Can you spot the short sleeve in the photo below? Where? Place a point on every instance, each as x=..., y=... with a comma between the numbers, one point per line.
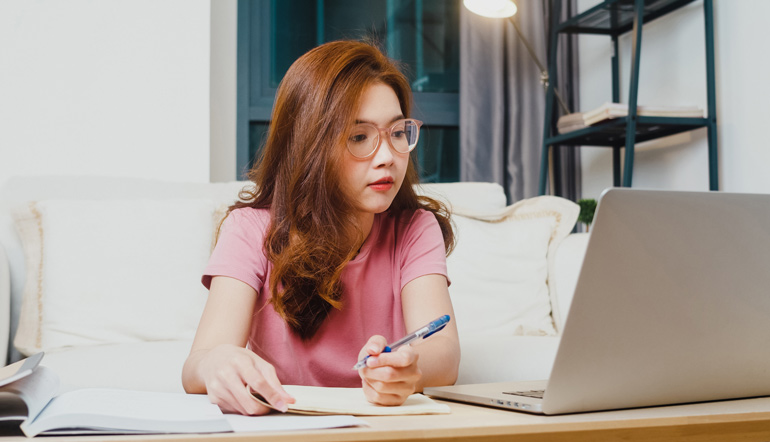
x=239, y=251
x=422, y=248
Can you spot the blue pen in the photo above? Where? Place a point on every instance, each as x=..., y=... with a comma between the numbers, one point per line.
x=423, y=332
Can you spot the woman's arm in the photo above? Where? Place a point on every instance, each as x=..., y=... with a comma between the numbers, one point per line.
x=423, y=300
x=389, y=378
x=219, y=364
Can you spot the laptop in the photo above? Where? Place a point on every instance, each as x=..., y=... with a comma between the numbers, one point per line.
x=672, y=306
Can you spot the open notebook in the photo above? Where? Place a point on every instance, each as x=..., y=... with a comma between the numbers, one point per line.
x=28, y=396
x=326, y=400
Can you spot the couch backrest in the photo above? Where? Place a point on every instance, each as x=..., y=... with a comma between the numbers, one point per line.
x=22, y=190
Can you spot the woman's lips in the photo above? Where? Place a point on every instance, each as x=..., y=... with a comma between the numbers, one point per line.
x=382, y=185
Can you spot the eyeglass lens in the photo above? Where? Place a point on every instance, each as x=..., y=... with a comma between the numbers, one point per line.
x=365, y=138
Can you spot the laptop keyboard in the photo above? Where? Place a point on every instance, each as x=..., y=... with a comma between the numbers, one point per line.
x=537, y=394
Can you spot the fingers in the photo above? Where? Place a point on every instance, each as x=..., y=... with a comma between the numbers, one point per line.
x=266, y=383
x=386, y=374
x=388, y=394
x=403, y=357
x=374, y=346
x=389, y=378
x=238, y=371
x=227, y=391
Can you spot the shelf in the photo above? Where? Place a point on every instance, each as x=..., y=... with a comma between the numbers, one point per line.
x=615, y=17
x=612, y=18
x=613, y=132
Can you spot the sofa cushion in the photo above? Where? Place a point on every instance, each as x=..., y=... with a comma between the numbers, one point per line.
x=465, y=196
x=504, y=258
x=21, y=190
x=488, y=359
x=112, y=271
x=148, y=366
x=564, y=275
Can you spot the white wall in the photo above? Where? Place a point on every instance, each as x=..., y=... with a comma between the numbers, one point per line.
x=117, y=87
x=224, y=44
x=673, y=73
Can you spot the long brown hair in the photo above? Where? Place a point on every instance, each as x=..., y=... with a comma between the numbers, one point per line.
x=313, y=231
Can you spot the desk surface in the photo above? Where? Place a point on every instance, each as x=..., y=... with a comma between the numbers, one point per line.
x=745, y=420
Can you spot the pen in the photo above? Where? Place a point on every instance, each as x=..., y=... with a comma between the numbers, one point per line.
x=423, y=332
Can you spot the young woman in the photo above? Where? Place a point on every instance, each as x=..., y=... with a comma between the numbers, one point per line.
x=331, y=256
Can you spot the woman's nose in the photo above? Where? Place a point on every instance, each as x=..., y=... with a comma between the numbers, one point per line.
x=384, y=154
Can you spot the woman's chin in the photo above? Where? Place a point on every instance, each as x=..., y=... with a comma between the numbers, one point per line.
x=377, y=206
x=378, y=202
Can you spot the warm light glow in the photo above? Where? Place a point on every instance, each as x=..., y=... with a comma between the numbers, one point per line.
x=491, y=8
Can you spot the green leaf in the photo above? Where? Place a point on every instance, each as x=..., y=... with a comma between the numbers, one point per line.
x=587, y=209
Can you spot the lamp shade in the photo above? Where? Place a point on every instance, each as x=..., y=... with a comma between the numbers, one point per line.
x=491, y=8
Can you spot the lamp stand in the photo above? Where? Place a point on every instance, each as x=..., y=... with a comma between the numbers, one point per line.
x=544, y=78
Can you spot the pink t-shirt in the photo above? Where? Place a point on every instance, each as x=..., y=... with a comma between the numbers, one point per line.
x=393, y=255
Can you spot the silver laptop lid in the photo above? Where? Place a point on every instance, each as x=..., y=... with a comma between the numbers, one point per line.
x=672, y=304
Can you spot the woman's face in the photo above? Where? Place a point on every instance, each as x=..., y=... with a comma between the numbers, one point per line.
x=373, y=182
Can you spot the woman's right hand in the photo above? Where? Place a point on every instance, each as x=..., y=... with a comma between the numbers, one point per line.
x=219, y=363
x=231, y=372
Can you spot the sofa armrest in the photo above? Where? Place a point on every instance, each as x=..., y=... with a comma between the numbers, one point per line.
x=5, y=305
x=567, y=264
x=500, y=358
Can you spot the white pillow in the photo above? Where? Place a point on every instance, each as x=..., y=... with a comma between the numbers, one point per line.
x=500, y=266
x=465, y=195
x=112, y=271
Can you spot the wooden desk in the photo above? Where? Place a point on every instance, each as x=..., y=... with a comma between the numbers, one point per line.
x=744, y=420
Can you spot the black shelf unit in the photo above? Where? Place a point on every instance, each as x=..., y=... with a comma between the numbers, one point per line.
x=615, y=18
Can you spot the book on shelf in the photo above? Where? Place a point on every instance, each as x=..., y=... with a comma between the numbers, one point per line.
x=571, y=122
x=608, y=111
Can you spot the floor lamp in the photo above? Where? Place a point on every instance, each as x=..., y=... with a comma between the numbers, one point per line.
x=506, y=9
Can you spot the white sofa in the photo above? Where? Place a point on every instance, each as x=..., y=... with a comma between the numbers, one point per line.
x=513, y=274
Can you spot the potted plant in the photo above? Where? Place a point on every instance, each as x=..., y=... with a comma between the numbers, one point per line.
x=587, y=209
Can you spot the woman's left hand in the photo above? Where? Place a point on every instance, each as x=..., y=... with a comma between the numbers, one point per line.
x=388, y=378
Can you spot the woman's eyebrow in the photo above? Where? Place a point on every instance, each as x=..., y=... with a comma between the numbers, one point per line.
x=393, y=120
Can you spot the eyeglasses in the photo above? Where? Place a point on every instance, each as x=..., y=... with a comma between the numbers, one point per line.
x=402, y=136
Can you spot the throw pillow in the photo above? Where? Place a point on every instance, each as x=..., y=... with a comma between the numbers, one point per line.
x=112, y=271
x=500, y=266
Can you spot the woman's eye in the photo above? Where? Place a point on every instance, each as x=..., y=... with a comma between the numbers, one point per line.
x=357, y=138
x=398, y=133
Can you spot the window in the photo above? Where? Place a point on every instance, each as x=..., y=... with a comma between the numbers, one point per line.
x=422, y=34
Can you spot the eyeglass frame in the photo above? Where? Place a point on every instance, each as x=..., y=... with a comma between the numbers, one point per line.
x=387, y=132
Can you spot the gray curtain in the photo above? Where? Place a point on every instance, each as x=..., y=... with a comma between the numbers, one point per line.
x=502, y=101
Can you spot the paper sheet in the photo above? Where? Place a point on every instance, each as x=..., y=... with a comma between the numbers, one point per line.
x=332, y=400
